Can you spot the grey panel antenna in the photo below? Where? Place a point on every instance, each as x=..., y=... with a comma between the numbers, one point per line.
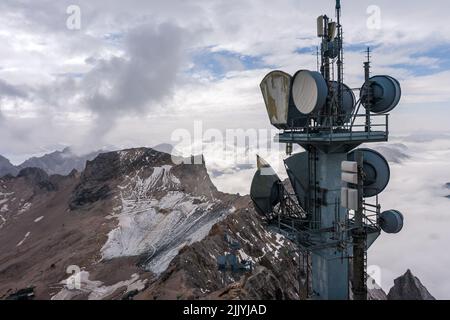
x=309, y=91
x=376, y=169
x=386, y=94
x=276, y=90
x=391, y=221
x=298, y=172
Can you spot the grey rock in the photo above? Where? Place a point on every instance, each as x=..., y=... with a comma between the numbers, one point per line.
x=6, y=167
x=37, y=177
x=409, y=287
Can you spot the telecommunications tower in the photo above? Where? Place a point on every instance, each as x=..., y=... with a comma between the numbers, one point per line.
x=333, y=213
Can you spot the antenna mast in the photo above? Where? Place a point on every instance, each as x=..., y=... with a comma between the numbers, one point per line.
x=340, y=62
x=328, y=213
x=368, y=89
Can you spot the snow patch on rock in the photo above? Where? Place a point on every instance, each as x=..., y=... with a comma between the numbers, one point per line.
x=158, y=224
x=79, y=283
x=23, y=240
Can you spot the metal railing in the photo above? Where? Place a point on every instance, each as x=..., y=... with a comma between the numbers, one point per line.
x=328, y=126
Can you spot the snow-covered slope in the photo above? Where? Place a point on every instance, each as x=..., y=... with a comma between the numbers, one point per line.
x=158, y=215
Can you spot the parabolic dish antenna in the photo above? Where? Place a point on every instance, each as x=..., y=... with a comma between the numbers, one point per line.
x=391, y=221
x=386, y=94
x=376, y=170
x=265, y=188
x=309, y=91
x=348, y=102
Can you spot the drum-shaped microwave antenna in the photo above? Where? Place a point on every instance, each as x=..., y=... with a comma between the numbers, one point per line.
x=376, y=170
x=309, y=91
x=391, y=221
x=276, y=90
x=386, y=94
x=348, y=102
x=265, y=188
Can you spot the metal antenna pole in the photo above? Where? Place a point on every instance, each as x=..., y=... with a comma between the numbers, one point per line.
x=359, y=239
x=318, y=59
x=340, y=64
x=368, y=93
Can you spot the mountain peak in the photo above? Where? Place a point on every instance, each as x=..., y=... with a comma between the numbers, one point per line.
x=409, y=287
x=160, y=169
x=6, y=167
x=59, y=162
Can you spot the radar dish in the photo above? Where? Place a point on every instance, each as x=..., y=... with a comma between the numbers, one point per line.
x=297, y=170
x=391, y=221
x=376, y=170
x=265, y=188
x=386, y=94
x=309, y=91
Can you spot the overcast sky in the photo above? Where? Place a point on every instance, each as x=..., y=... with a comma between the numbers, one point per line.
x=137, y=70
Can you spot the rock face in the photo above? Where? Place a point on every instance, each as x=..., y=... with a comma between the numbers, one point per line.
x=37, y=177
x=409, y=287
x=7, y=167
x=136, y=225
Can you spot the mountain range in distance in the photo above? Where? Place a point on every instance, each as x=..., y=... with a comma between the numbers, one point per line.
x=58, y=162
x=61, y=162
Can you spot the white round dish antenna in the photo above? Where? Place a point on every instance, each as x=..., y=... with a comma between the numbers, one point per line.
x=391, y=221
x=386, y=94
x=309, y=91
x=376, y=170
